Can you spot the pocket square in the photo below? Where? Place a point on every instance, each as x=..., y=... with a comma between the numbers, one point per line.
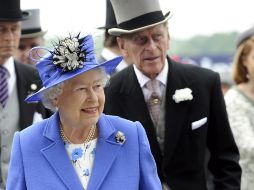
x=199, y=123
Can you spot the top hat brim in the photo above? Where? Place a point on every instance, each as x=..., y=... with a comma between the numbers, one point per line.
x=33, y=35
x=106, y=27
x=119, y=31
x=24, y=16
x=108, y=65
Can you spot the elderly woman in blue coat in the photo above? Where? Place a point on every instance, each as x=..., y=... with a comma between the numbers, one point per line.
x=79, y=147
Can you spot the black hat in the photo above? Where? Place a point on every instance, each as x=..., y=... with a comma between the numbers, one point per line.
x=244, y=36
x=31, y=27
x=136, y=15
x=110, y=17
x=10, y=11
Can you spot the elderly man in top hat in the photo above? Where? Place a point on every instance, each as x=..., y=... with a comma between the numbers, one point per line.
x=17, y=81
x=181, y=106
x=31, y=36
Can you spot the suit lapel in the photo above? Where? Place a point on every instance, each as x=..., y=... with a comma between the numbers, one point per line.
x=136, y=109
x=57, y=156
x=25, y=112
x=175, y=112
x=106, y=151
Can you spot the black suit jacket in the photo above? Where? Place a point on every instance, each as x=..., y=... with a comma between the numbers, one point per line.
x=26, y=76
x=181, y=164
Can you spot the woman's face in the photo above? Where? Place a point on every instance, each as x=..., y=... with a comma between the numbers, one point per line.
x=249, y=63
x=82, y=100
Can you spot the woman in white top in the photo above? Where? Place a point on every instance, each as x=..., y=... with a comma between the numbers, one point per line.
x=240, y=105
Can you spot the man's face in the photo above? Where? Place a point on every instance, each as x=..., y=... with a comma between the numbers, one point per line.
x=25, y=45
x=147, y=49
x=9, y=39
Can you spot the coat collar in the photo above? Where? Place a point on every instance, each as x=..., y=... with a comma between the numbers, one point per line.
x=176, y=112
x=106, y=151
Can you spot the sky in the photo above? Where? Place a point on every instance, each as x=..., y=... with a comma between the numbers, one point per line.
x=189, y=18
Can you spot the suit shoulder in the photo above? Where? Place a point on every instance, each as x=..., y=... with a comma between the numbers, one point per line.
x=34, y=130
x=121, y=75
x=25, y=67
x=27, y=72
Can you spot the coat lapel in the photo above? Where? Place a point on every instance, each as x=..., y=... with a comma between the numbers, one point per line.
x=136, y=109
x=57, y=156
x=175, y=112
x=25, y=112
x=26, y=77
x=106, y=151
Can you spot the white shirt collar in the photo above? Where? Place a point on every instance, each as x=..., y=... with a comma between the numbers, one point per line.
x=162, y=76
x=9, y=65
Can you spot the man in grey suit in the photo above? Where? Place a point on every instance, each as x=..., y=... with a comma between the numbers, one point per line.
x=17, y=81
x=180, y=106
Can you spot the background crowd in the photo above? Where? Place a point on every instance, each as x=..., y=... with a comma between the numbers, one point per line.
x=199, y=122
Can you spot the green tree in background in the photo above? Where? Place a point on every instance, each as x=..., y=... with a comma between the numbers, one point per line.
x=216, y=44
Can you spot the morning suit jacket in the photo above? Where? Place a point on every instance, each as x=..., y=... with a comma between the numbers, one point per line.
x=39, y=160
x=181, y=165
x=27, y=76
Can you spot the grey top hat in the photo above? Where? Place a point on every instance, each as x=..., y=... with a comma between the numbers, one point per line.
x=10, y=11
x=244, y=36
x=31, y=27
x=135, y=15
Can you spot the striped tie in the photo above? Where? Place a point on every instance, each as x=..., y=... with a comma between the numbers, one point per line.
x=3, y=86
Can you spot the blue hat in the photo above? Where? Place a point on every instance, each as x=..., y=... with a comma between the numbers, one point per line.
x=70, y=57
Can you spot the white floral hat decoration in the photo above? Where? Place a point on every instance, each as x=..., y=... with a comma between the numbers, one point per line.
x=70, y=57
x=182, y=95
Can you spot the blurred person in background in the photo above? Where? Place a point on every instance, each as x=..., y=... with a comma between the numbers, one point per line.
x=226, y=80
x=181, y=106
x=110, y=46
x=31, y=35
x=79, y=147
x=240, y=105
x=17, y=81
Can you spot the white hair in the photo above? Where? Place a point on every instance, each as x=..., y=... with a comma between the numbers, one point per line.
x=48, y=95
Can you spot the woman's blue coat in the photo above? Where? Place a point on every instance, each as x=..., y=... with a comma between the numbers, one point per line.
x=39, y=160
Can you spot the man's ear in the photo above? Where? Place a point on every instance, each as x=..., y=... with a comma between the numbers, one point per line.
x=168, y=44
x=122, y=46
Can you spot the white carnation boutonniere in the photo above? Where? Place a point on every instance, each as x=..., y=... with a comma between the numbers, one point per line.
x=120, y=138
x=182, y=95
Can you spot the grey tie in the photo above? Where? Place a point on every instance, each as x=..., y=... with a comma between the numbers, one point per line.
x=3, y=85
x=154, y=100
